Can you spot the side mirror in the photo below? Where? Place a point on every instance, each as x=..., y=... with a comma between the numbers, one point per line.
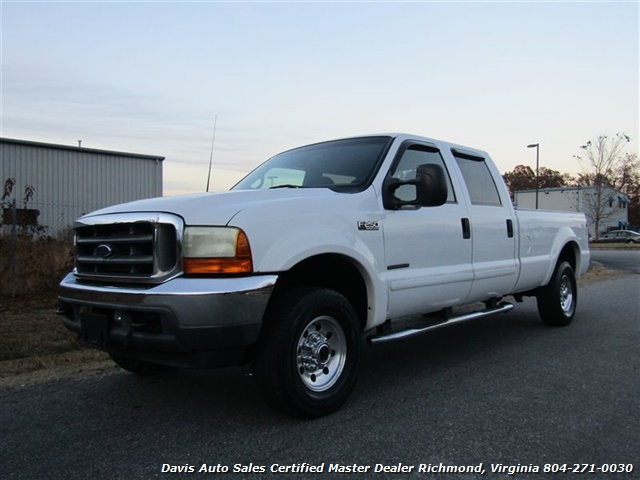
x=431, y=188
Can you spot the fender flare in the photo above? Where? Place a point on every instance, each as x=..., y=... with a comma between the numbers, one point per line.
x=306, y=243
x=565, y=237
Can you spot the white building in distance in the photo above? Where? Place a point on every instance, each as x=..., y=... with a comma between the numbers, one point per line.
x=612, y=210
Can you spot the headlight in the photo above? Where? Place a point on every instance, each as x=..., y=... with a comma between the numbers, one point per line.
x=211, y=250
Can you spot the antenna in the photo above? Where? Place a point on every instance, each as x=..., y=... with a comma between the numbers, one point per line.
x=213, y=139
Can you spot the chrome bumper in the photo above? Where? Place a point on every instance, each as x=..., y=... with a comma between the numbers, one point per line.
x=182, y=316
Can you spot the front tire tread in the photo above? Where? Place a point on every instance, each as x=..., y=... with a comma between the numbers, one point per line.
x=275, y=362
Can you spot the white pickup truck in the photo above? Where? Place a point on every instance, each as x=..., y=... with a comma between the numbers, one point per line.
x=317, y=249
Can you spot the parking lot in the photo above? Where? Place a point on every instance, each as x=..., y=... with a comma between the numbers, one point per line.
x=505, y=392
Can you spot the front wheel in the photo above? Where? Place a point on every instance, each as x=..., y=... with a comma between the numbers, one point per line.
x=557, y=301
x=308, y=353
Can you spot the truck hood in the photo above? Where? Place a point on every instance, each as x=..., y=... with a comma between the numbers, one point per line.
x=218, y=208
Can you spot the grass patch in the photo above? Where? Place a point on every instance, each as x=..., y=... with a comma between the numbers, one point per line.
x=46, y=368
x=34, y=342
x=614, y=246
x=30, y=328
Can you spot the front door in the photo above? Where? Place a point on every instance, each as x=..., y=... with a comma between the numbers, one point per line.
x=428, y=258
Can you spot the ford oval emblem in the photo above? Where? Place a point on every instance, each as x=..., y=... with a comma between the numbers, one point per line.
x=104, y=250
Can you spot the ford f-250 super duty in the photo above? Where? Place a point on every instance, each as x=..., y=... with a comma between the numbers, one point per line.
x=316, y=249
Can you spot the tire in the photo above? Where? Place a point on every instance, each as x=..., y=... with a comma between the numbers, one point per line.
x=557, y=301
x=308, y=353
x=139, y=367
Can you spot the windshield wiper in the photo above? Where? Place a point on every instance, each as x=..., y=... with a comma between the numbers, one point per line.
x=286, y=185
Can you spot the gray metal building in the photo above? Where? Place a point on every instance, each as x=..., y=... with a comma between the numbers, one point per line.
x=70, y=181
x=612, y=211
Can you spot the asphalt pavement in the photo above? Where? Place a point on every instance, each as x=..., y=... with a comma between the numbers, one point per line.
x=618, y=259
x=504, y=393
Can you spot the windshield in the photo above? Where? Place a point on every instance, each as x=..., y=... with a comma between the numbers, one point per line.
x=342, y=165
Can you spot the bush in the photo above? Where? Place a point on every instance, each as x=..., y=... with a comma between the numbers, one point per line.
x=30, y=262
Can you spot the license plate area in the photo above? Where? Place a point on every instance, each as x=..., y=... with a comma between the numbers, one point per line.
x=94, y=328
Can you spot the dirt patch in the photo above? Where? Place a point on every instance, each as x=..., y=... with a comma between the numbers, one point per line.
x=35, y=347
x=598, y=273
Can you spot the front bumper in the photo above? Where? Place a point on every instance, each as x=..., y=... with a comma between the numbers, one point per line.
x=198, y=322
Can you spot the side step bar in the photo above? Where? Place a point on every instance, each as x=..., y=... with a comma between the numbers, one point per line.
x=391, y=336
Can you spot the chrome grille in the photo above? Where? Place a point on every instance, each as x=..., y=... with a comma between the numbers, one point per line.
x=127, y=249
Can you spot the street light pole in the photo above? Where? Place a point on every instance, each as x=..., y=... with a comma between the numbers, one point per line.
x=537, y=147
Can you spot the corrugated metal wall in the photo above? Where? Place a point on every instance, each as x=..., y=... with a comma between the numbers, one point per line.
x=71, y=181
x=565, y=201
x=580, y=200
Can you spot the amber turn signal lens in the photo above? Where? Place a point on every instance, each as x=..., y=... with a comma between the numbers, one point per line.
x=243, y=250
x=209, y=266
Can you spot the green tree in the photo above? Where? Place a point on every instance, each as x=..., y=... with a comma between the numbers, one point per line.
x=520, y=178
x=524, y=178
x=548, y=178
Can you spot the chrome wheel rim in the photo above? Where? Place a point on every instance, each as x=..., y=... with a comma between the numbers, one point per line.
x=566, y=295
x=321, y=354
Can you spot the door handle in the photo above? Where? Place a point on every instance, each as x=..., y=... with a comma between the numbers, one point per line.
x=466, y=228
x=509, y=228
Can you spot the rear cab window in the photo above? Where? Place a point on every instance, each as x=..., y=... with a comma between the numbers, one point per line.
x=477, y=178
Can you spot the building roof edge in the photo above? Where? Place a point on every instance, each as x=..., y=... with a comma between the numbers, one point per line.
x=14, y=141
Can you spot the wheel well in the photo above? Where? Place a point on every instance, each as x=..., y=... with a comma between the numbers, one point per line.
x=568, y=254
x=329, y=271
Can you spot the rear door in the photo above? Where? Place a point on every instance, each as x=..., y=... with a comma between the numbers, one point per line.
x=492, y=223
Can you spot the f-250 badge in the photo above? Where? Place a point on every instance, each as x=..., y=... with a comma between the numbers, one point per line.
x=368, y=225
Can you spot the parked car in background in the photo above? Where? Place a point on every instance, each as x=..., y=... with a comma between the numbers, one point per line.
x=620, y=236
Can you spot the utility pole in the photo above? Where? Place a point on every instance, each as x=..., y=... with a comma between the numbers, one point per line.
x=537, y=147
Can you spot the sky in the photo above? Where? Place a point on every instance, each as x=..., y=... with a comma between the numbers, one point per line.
x=157, y=77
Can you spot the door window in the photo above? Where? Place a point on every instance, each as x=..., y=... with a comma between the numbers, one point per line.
x=478, y=179
x=407, y=168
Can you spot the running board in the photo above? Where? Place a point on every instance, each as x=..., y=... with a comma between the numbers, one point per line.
x=389, y=337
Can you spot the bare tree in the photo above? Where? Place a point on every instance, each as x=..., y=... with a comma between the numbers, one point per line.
x=600, y=160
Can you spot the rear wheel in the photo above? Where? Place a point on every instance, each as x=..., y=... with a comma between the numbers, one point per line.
x=308, y=353
x=139, y=367
x=557, y=301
